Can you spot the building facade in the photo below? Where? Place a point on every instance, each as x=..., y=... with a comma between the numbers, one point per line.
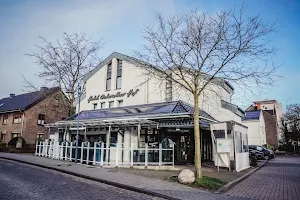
x=25, y=115
x=121, y=104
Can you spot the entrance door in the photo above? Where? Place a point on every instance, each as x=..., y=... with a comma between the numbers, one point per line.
x=183, y=149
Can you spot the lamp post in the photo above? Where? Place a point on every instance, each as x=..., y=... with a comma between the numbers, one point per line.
x=77, y=128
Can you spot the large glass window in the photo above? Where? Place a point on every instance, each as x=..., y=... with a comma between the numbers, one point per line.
x=95, y=106
x=5, y=119
x=108, y=77
x=120, y=103
x=17, y=118
x=41, y=119
x=119, y=75
x=111, y=104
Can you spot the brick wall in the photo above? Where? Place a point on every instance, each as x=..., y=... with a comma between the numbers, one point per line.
x=54, y=107
x=271, y=128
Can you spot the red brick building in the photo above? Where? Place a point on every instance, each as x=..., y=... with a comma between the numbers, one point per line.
x=25, y=115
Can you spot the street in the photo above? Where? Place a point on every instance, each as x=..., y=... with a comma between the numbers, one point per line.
x=20, y=181
x=279, y=179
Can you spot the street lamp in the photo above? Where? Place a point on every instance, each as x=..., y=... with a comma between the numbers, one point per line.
x=70, y=91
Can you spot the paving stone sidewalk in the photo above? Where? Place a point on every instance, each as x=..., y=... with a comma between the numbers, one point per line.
x=170, y=189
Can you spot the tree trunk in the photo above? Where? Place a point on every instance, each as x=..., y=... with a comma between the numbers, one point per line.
x=197, y=137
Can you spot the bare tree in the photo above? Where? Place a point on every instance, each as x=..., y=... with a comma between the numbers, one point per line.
x=66, y=62
x=194, y=49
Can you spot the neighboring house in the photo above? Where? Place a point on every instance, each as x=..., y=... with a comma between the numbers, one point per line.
x=255, y=122
x=24, y=115
x=274, y=108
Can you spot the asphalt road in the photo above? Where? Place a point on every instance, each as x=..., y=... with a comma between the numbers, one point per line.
x=21, y=181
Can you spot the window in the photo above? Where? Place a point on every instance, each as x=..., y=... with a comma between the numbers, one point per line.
x=95, y=106
x=2, y=137
x=40, y=135
x=14, y=135
x=55, y=103
x=111, y=104
x=41, y=119
x=120, y=103
x=119, y=75
x=108, y=77
x=17, y=118
x=102, y=105
x=5, y=119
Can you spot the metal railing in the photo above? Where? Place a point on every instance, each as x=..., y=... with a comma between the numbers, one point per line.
x=100, y=155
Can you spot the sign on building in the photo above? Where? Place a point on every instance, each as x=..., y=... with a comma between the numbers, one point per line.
x=223, y=145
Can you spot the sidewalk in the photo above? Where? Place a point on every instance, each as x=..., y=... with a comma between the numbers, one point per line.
x=155, y=187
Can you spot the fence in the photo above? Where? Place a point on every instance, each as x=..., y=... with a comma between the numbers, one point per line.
x=99, y=154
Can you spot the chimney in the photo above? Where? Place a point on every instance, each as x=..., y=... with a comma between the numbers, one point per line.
x=43, y=89
x=12, y=95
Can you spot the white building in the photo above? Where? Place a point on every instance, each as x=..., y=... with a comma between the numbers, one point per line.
x=122, y=105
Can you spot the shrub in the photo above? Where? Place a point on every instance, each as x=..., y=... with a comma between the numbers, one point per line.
x=209, y=182
x=2, y=144
x=253, y=160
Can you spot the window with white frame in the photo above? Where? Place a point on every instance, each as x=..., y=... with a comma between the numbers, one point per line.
x=95, y=106
x=40, y=135
x=15, y=134
x=5, y=119
x=102, y=105
x=119, y=75
x=108, y=77
x=41, y=119
x=120, y=103
x=111, y=104
x=17, y=118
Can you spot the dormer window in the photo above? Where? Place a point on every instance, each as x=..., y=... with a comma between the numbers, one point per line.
x=119, y=75
x=41, y=119
x=108, y=77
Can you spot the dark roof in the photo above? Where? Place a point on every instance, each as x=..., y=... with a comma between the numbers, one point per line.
x=252, y=115
x=141, y=110
x=24, y=101
x=233, y=108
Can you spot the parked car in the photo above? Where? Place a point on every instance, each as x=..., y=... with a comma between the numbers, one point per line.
x=259, y=155
x=267, y=154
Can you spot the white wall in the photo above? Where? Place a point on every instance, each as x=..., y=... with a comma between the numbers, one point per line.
x=256, y=131
x=152, y=91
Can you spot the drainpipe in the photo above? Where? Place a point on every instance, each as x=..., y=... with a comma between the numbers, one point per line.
x=23, y=116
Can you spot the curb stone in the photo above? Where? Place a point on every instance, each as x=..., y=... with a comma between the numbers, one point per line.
x=119, y=185
x=231, y=184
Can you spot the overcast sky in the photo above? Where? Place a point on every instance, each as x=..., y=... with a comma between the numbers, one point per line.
x=120, y=24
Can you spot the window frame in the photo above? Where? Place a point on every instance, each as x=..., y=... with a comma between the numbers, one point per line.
x=2, y=136
x=108, y=77
x=119, y=74
x=109, y=103
x=41, y=119
x=95, y=106
x=12, y=133
x=102, y=103
x=4, y=119
x=18, y=121
x=121, y=100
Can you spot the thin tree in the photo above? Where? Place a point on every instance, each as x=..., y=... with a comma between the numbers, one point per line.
x=66, y=62
x=194, y=49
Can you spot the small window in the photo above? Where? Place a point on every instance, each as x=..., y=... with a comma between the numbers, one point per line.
x=5, y=119
x=2, y=137
x=40, y=135
x=56, y=103
x=120, y=103
x=111, y=104
x=14, y=135
x=41, y=119
x=119, y=75
x=17, y=118
x=95, y=106
x=102, y=105
x=108, y=77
